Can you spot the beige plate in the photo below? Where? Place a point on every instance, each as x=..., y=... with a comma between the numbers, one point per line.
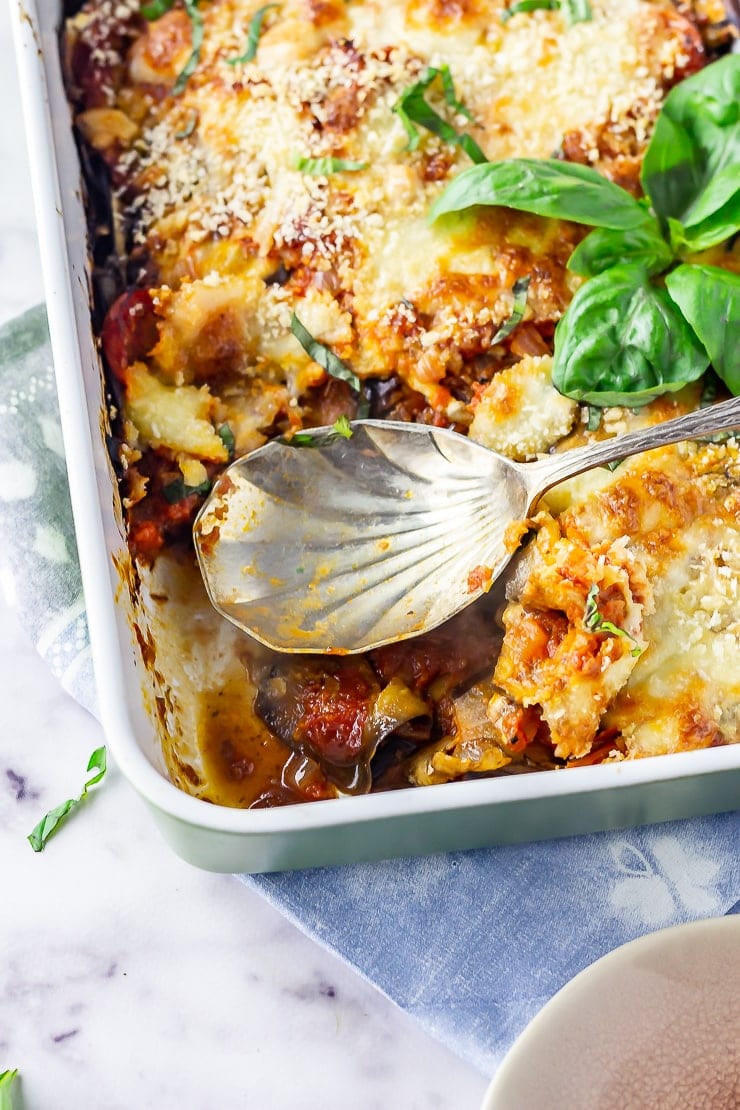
x=654, y=1025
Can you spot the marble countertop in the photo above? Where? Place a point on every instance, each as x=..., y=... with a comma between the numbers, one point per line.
x=127, y=978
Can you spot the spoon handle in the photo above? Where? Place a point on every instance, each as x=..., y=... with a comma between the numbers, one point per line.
x=540, y=476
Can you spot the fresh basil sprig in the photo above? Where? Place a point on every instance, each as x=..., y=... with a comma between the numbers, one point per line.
x=594, y=622
x=709, y=299
x=322, y=167
x=690, y=170
x=521, y=286
x=564, y=190
x=196, y=42
x=48, y=824
x=328, y=361
x=414, y=112
x=575, y=11
x=253, y=36
x=624, y=341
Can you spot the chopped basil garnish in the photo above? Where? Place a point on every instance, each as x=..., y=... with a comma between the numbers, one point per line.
x=341, y=429
x=253, y=36
x=178, y=490
x=414, y=112
x=328, y=361
x=322, y=167
x=48, y=824
x=156, y=9
x=593, y=418
x=189, y=126
x=196, y=29
x=226, y=436
x=625, y=337
x=521, y=285
x=528, y=6
x=575, y=11
x=594, y=622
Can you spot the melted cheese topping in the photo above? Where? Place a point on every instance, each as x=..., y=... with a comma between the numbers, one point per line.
x=209, y=190
x=671, y=521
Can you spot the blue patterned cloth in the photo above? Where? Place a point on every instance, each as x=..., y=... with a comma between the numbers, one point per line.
x=472, y=944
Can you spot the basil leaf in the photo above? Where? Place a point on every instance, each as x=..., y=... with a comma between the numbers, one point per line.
x=690, y=166
x=178, y=490
x=328, y=361
x=623, y=341
x=577, y=11
x=196, y=31
x=709, y=299
x=226, y=436
x=604, y=247
x=564, y=190
x=528, y=6
x=189, y=127
x=594, y=622
x=48, y=824
x=721, y=225
x=253, y=36
x=324, y=166
x=10, y=1090
x=156, y=9
x=521, y=285
x=341, y=429
x=593, y=418
x=414, y=112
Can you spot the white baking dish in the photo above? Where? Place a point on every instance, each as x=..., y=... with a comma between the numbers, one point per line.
x=403, y=822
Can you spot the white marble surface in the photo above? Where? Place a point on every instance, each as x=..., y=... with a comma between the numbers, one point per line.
x=127, y=978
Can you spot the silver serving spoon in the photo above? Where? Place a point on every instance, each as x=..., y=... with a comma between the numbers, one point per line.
x=348, y=544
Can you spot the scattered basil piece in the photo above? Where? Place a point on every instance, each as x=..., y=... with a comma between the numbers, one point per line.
x=593, y=418
x=690, y=166
x=528, y=6
x=10, y=1093
x=322, y=167
x=623, y=341
x=564, y=190
x=196, y=29
x=604, y=247
x=709, y=299
x=340, y=429
x=328, y=361
x=253, y=36
x=226, y=436
x=189, y=127
x=414, y=112
x=575, y=11
x=156, y=9
x=594, y=622
x=48, y=824
x=521, y=285
x=178, y=490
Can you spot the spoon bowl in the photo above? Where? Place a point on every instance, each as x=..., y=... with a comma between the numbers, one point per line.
x=343, y=544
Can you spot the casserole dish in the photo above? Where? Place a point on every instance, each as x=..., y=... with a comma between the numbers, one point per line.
x=438, y=818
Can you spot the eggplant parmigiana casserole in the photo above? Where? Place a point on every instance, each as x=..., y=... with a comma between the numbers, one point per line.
x=405, y=184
